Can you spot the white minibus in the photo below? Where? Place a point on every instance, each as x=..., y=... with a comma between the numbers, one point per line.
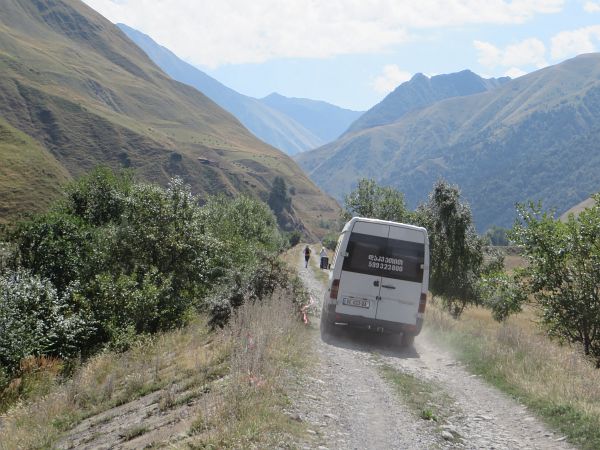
x=379, y=278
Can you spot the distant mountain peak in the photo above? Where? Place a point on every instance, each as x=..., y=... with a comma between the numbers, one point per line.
x=418, y=77
x=421, y=91
x=532, y=138
x=273, y=95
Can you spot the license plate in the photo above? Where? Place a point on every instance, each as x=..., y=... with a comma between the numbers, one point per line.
x=359, y=302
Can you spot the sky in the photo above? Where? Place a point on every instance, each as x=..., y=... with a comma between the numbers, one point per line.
x=354, y=52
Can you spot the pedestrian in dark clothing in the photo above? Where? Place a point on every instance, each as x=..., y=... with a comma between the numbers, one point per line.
x=306, y=255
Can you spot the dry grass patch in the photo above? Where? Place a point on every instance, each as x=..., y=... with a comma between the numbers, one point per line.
x=234, y=380
x=266, y=349
x=109, y=380
x=555, y=381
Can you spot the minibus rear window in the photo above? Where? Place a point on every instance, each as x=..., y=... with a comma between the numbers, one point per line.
x=380, y=256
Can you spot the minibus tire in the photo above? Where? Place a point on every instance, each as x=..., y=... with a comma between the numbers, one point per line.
x=326, y=327
x=407, y=340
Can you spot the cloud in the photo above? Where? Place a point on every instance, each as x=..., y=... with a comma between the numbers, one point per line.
x=592, y=7
x=390, y=78
x=571, y=43
x=213, y=33
x=515, y=72
x=529, y=52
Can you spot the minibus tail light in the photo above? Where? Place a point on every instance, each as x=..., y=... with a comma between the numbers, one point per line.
x=333, y=292
x=422, y=303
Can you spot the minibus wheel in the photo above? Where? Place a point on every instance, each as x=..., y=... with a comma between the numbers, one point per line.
x=407, y=340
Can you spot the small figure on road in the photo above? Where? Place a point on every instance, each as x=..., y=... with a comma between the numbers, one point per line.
x=306, y=255
x=324, y=258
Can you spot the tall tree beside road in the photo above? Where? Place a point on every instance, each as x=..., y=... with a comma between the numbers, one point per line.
x=455, y=248
x=563, y=272
x=379, y=202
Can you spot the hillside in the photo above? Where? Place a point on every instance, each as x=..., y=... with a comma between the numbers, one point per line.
x=269, y=124
x=86, y=95
x=423, y=91
x=325, y=120
x=535, y=137
x=587, y=203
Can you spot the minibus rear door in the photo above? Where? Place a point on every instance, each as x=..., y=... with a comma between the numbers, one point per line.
x=402, y=276
x=360, y=279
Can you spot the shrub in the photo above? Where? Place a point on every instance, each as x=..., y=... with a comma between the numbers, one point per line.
x=99, y=197
x=55, y=246
x=243, y=225
x=563, y=273
x=255, y=284
x=36, y=320
x=137, y=258
x=330, y=240
x=294, y=237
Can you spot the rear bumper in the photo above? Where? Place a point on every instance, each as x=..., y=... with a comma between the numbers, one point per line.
x=373, y=324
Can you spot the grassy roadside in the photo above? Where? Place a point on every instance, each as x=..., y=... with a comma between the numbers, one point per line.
x=554, y=381
x=241, y=371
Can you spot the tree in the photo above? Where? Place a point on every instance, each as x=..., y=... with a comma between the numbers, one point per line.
x=563, y=273
x=377, y=202
x=279, y=200
x=456, y=252
x=497, y=236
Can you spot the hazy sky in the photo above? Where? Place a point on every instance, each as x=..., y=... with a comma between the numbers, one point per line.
x=353, y=52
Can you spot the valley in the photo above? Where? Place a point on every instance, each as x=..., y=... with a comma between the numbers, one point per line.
x=165, y=165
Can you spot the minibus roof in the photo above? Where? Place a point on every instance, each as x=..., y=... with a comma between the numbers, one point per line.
x=352, y=221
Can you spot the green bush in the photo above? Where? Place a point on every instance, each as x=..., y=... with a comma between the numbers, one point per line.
x=35, y=320
x=243, y=225
x=330, y=240
x=100, y=197
x=137, y=258
x=293, y=238
x=257, y=283
x=55, y=246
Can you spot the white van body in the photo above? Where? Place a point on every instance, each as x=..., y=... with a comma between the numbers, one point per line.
x=379, y=278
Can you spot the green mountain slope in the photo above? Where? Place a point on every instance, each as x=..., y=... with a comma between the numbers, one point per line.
x=587, y=203
x=78, y=86
x=325, y=120
x=422, y=91
x=30, y=176
x=536, y=137
x=267, y=123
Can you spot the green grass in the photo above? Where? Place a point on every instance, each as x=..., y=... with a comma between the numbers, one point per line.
x=553, y=381
x=30, y=177
x=134, y=432
x=425, y=398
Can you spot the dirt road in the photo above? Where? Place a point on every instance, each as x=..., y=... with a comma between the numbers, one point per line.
x=348, y=404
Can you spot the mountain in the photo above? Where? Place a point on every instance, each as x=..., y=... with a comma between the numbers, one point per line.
x=325, y=120
x=75, y=92
x=533, y=138
x=587, y=203
x=269, y=124
x=423, y=91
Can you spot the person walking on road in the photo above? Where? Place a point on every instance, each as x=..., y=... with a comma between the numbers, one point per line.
x=324, y=258
x=306, y=255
